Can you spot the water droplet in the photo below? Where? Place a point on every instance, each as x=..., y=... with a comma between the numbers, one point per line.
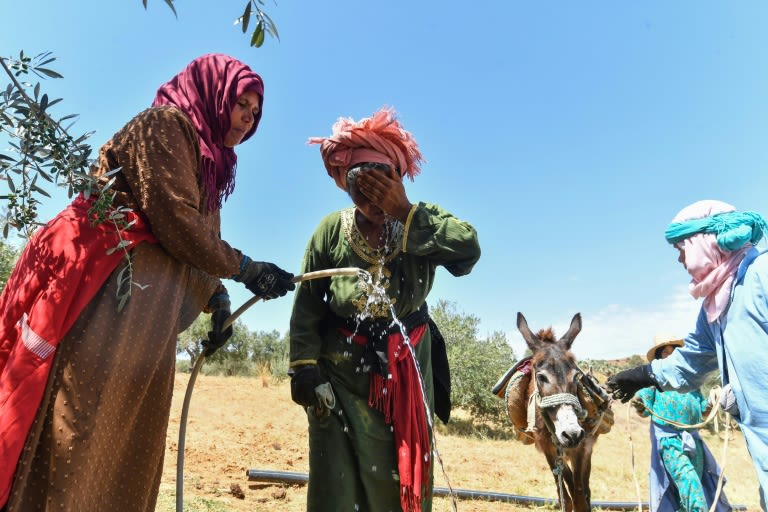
x=373, y=468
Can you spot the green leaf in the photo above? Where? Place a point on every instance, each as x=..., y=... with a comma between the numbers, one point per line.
x=170, y=4
x=44, y=102
x=37, y=90
x=40, y=191
x=145, y=4
x=45, y=176
x=258, y=35
x=271, y=26
x=122, y=302
x=49, y=72
x=246, y=17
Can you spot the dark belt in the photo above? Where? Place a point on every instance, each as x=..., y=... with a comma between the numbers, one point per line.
x=377, y=333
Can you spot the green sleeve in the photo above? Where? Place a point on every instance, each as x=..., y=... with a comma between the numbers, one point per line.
x=432, y=232
x=309, y=306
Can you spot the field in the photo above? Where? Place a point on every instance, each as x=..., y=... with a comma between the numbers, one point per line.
x=236, y=424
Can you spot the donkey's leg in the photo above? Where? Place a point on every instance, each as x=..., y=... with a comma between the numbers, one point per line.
x=550, y=452
x=582, y=467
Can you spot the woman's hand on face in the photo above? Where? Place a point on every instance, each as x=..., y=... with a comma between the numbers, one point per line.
x=386, y=191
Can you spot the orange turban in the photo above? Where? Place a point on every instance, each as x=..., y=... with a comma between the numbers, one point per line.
x=379, y=138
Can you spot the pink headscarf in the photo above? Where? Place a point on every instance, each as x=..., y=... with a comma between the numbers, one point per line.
x=377, y=139
x=711, y=267
x=206, y=91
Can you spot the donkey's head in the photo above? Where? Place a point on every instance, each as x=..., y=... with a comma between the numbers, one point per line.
x=556, y=380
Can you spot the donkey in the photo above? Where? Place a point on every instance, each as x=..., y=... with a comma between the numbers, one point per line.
x=566, y=427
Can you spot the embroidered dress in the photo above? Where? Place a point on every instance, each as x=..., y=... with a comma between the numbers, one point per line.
x=683, y=474
x=107, y=396
x=354, y=462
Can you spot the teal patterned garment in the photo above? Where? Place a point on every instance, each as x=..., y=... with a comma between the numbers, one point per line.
x=682, y=468
x=686, y=408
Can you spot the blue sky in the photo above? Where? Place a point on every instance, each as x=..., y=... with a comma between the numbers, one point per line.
x=567, y=133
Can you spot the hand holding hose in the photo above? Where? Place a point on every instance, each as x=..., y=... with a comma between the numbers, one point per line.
x=265, y=280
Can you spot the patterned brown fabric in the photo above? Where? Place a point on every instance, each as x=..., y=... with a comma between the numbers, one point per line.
x=99, y=438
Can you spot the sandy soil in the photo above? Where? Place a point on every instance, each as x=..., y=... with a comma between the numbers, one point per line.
x=240, y=424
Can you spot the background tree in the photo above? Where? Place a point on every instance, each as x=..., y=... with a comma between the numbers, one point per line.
x=247, y=353
x=8, y=256
x=476, y=364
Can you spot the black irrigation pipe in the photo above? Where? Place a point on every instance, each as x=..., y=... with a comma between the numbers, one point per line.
x=287, y=477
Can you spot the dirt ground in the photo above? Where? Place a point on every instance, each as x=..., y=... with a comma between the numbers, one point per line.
x=240, y=424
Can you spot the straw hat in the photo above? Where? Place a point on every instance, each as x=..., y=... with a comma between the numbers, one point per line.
x=662, y=340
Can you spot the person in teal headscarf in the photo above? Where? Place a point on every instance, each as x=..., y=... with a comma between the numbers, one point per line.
x=717, y=246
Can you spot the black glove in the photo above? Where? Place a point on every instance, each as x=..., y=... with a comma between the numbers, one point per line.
x=303, y=383
x=626, y=383
x=219, y=307
x=265, y=280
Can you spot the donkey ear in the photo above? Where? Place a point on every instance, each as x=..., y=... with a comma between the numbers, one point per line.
x=528, y=336
x=573, y=331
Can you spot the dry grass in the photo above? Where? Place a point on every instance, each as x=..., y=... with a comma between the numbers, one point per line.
x=236, y=424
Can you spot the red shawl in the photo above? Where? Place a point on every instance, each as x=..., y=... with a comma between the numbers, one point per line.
x=62, y=268
x=400, y=399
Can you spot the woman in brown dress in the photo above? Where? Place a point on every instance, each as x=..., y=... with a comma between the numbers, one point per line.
x=86, y=376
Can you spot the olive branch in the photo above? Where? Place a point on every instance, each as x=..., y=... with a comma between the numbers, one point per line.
x=103, y=211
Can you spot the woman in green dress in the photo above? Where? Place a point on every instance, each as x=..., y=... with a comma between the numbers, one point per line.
x=366, y=380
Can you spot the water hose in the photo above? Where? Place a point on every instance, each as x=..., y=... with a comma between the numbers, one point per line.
x=308, y=276
x=291, y=478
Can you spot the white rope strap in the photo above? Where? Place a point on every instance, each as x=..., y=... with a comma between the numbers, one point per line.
x=531, y=412
x=545, y=402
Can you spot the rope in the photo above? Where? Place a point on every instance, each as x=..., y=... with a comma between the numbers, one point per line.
x=714, y=399
x=545, y=402
x=722, y=470
x=632, y=461
x=559, y=473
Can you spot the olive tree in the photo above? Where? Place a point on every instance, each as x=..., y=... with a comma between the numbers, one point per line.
x=476, y=363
